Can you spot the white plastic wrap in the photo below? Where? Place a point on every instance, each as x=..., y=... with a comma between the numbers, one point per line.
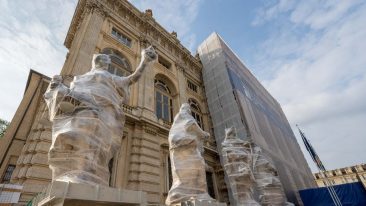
x=236, y=156
x=188, y=165
x=268, y=183
x=88, y=121
x=247, y=170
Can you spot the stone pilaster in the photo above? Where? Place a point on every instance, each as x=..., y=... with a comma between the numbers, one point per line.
x=144, y=170
x=182, y=84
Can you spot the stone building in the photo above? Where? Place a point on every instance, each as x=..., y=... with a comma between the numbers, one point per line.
x=344, y=175
x=119, y=29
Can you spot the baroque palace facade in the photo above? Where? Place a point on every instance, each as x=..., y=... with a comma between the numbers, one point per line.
x=119, y=29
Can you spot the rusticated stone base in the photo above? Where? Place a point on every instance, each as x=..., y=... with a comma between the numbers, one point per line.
x=72, y=194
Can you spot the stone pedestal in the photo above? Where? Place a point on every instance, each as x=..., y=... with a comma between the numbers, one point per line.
x=72, y=194
x=201, y=203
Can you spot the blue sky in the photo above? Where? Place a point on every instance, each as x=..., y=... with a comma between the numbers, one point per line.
x=309, y=54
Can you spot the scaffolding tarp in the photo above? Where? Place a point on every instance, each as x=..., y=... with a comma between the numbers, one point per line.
x=350, y=194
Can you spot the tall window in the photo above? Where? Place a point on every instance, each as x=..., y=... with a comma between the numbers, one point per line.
x=121, y=38
x=110, y=168
x=8, y=173
x=167, y=169
x=196, y=112
x=119, y=64
x=210, y=184
x=163, y=101
x=170, y=175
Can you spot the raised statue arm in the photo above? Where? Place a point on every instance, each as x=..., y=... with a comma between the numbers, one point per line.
x=148, y=56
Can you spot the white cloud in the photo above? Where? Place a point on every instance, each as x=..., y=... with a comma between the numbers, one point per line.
x=316, y=64
x=272, y=10
x=319, y=14
x=31, y=38
x=174, y=15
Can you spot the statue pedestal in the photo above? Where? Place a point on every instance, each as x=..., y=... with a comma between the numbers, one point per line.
x=74, y=194
x=201, y=203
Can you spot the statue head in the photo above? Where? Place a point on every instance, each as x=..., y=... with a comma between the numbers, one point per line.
x=185, y=108
x=149, y=54
x=101, y=61
x=230, y=133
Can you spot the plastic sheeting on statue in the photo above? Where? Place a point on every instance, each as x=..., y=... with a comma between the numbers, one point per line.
x=247, y=170
x=188, y=165
x=88, y=120
x=237, y=164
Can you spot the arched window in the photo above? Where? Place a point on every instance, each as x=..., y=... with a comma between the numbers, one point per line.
x=119, y=64
x=163, y=101
x=196, y=112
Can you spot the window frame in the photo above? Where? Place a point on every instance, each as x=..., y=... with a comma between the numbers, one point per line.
x=192, y=86
x=6, y=173
x=196, y=112
x=122, y=38
x=119, y=65
x=161, y=88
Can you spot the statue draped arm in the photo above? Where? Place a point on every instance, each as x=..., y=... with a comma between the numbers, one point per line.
x=148, y=56
x=198, y=131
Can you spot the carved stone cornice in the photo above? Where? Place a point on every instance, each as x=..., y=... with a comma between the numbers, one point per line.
x=150, y=129
x=83, y=8
x=76, y=20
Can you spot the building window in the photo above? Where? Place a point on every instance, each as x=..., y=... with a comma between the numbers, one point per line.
x=163, y=101
x=121, y=38
x=119, y=64
x=110, y=168
x=165, y=63
x=192, y=86
x=167, y=169
x=170, y=176
x=210, y=184
x=196, y=112
x=8, y=173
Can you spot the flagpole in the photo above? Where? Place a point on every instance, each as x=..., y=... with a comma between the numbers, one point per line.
x=314, y=156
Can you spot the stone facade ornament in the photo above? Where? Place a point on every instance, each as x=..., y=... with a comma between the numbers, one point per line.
x=248, y=169
x=188, y=165
x=88, y=120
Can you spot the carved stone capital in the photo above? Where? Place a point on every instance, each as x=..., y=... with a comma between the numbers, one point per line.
x=180, y=66
x=92, y=6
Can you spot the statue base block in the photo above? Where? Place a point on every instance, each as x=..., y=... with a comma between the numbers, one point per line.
x=201, y=203
x=75, y=194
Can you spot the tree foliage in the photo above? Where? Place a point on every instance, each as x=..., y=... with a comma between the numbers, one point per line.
x=3, y=125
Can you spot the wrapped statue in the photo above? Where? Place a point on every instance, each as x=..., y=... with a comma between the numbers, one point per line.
x=268, y=184
x=188, y=165
x=88, y=120
x=248, y=169
x=237, y=160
